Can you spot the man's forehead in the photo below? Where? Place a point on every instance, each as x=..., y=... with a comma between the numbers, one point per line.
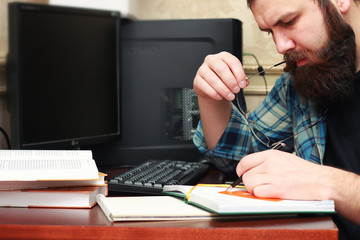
x=250, y=2
x=270, y=12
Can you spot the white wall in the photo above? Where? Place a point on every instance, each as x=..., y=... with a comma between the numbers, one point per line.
x=117, y=5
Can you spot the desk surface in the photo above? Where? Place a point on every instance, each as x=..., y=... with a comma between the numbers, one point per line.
x=42, y=223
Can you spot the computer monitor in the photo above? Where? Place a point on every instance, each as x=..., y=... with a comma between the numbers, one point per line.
x=63, y=76
x=159, y=60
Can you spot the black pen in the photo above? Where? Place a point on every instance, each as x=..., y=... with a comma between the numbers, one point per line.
x=239, y=180
x=234, y=184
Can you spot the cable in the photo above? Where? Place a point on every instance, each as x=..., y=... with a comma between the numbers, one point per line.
x=260, y=70
x=6, y=137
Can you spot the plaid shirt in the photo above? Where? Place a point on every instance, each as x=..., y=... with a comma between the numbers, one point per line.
x=282, y=115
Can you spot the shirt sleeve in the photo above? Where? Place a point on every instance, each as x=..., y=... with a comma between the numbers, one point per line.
x=271, y=118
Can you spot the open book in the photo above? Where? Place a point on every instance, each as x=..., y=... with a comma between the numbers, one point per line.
x=215, y=199
x=23, y=169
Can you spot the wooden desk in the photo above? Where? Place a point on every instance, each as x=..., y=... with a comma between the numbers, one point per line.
x=41, y=223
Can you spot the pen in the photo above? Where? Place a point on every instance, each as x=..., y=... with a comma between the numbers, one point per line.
x=239, y=180
x=234, y=184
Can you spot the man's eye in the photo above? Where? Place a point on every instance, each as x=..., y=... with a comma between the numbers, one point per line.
x=291, y=22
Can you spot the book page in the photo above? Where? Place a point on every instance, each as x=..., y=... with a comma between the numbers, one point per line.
x=44, y=154
x=46, y=165
x=149, y=208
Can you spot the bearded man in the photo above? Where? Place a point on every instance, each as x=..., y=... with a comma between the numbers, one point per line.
x=312, y=110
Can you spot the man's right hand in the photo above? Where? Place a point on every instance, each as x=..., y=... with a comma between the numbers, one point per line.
x=220, y=77
x=217, y=81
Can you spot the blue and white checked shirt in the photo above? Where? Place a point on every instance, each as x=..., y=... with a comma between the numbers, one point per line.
x=282, y=114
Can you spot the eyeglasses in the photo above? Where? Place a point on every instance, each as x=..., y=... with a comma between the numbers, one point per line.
x=258, y=133
x=262, y=138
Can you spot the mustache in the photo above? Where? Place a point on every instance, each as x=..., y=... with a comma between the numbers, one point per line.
x=292, y=56
x=296, y=55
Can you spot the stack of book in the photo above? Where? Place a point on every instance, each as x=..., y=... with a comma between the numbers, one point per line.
x=49, y=178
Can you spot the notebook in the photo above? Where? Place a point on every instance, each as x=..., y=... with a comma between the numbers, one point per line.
x=149, y=208
x=214, y=198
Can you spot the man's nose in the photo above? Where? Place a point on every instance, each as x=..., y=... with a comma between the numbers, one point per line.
x=283, y=42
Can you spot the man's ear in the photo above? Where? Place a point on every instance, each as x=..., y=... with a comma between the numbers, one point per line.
x=343, y=5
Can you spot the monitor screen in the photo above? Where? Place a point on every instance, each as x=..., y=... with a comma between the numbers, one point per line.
x=63, y=76
x=159, y=112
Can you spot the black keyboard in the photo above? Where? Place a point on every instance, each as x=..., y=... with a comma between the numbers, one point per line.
x=150, y=176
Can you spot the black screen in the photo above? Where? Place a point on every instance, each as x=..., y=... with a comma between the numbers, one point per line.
x=65, y=76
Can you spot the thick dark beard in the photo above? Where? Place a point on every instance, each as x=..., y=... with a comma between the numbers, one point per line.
x=328, y=76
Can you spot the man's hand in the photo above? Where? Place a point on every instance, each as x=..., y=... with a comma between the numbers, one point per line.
x=220, y=76
x=216, y=82
x=276, y=174
x=279, y=174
